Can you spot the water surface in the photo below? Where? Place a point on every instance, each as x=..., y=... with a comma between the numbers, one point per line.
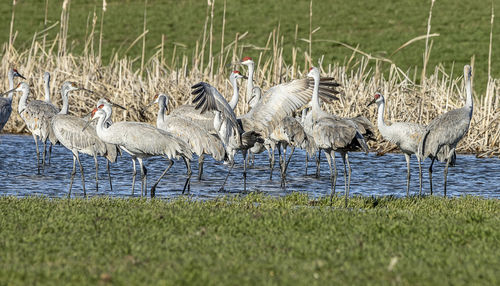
x=371, y=175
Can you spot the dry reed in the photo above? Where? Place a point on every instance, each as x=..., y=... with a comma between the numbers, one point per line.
x=360, y=77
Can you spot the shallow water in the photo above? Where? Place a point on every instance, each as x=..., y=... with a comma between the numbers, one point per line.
x=371, y=175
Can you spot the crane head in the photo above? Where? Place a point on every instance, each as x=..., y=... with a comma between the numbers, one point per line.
x=46, y=77
x=237, y=75
x=95, y=114
x=313, y=72
x=16, y=73
x=246, y=61
x=467, y=71
x=377, y=98
x=256, y=95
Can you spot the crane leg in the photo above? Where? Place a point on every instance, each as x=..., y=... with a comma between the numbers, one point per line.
x=44, y=153
x=446, y=174
x=280, y=157
x=329, y=160
x=50, y=151
x=144, y=177
x=109, y=174
x=346, y=191
x=153, y=189
x=271, y=163
x=201, y=159
x=430, y=172
x=81, y=173
x=133, y=175
x=408, y=175
x=37, y=154
x=244, y=170
x=292, y=150
x=221, y=189
x=420, y=176
x=96, y=174
x=318, y=161
x=73, y=172
x=189, y=173
x=307, y=161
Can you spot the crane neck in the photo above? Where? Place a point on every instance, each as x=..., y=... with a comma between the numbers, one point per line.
x=468, y=89
x=100, y=128
x=315, y=97
x=303, y=116
x=161, y=112
x=23, y=100
x=250, y=81
x=235, y=98
x=65, y=106
x=11, y=84
x=47, y=91
x=109, y=111
x=380, y=117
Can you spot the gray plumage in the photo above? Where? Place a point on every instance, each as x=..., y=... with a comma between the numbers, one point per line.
x=69, y=131
x=406, y=136
x=334, y=134
x=282, y=100
x=141, y=141
x=46, y=86
x=199, y=139
x=269, y=110
x=38, y=114
x=447, y=130
x=225, y=123
x=6, y=102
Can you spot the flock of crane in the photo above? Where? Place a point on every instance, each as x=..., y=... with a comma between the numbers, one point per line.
x=210, y=127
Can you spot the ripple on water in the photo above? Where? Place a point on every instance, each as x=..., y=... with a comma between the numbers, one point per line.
x=371, y=175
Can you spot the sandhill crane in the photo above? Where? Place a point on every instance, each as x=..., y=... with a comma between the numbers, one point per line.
x=206, y=120
x=447, y=130
x=225, y=122
x=289, y=132
x=200, y=140
x=141, y=141
x=46, y=86
x=233, y=78
x=6, y=102
x=333, y=134
x=280, y=101
x=247, y=61
x=37, y=114
x=69, y=131
x=406, y=136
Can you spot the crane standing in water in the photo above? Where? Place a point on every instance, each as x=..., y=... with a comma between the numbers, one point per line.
x=141, y=141
x=6, y=102
x=406, y=135
x=447, y=130
x=334, y=134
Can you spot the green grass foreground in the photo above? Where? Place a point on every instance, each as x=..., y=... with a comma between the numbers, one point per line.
x=250, y=240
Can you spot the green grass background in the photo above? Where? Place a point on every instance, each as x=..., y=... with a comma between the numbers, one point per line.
x=254, y=240
x=379, y=27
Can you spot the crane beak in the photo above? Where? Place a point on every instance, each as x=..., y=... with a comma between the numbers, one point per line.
x=147, y=106
x=371, y=102
x=250, y=99
x=245, y=77
x=88, y=123
x=21, y=76
x=8, y=91
x=117, y=105
x=87, y=90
